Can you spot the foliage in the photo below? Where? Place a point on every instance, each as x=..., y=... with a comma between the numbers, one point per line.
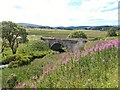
x=39, y=45
x=111, y=32
x=20, y=62
x=17, y=60
x=60, y=77
x=81, y=48
x=27, y=72
x=40, y=54
x=96, y=67
x=6, y=53
x=12, y=80
x=77, y=34
x=12, y=32
x=33, y=46
x=26, y=53
x=118, y=32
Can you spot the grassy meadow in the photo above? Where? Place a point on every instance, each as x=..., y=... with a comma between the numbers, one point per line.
x=99, y=69
x=96, y=66
x=64, y=33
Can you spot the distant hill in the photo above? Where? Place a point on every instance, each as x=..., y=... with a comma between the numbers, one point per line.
x=106, y=27
x=28, y=25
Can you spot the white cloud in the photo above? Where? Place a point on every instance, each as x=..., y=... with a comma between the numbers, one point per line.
x=58, y=12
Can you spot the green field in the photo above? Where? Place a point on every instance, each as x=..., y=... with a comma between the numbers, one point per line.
x=65, y=33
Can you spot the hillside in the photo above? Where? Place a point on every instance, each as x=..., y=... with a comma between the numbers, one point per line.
x=105, y=27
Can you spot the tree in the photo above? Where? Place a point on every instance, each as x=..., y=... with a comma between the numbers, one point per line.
x=12, y=32
x=112, y=32
x=77, y=34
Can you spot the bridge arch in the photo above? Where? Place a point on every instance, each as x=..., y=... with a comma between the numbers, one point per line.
x=57, y=47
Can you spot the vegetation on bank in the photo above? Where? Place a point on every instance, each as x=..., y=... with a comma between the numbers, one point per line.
x=29, y=73
x=96, y=67
x=12, y=37
x=26, y=53
x=90, y=67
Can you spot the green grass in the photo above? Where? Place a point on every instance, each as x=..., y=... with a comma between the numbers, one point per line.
x=57, y=78
x=49, y=33
x=0, y=69
x=0, y=78
x=0, y=49
x=99, y=72
x=26, y=73
x=92, y=43
x=65, y=33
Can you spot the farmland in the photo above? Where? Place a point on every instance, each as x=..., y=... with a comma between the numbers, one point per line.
x=68, y=69
x=64, y=33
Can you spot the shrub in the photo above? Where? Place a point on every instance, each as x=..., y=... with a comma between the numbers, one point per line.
x=17, y=60
x=10, y=58
x=37, y=45
x=6, y=53
x=111, y=32
x=20, y=60
x=119, y=33
x=12, y=80
x=77, y=34
x=40, y=54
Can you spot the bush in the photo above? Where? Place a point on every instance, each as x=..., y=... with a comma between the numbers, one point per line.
x=10, y=58
x=40, y=54
x=111, y=32
x=37, y=45
x=119, y=33
x=77, y=34
x=6, y=53
x=22, y=60
x=12, y=80
x=17, y=60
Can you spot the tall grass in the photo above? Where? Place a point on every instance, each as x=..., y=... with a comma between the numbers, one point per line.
x=96, y=67
x=27, y=72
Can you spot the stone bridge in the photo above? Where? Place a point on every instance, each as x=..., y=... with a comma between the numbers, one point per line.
x=72, y=44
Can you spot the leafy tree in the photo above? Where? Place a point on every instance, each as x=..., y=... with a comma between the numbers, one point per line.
x=118, y=32
x=12, y=32
x=112, y=32
x=77, y=34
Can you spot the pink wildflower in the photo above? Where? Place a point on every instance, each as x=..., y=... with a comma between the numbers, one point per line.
x=75, y=58
x=67, y=59
x=33, y=85
x=70, y=52
x=84, y=53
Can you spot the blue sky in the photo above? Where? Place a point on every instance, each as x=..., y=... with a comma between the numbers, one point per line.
x=60, y=12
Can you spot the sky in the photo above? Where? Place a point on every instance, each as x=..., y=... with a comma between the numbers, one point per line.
x=60, y=12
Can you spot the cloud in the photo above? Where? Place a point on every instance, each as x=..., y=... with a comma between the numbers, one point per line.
x=60, y=12
x=18, y=7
